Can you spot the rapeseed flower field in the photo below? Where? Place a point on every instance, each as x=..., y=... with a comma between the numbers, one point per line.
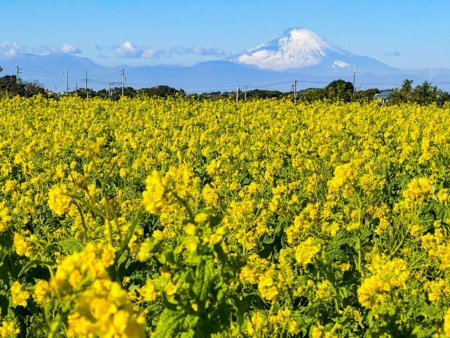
x=183, y=218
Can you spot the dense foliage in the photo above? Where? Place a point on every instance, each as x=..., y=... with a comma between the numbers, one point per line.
x=184, y=218
x=335, y=91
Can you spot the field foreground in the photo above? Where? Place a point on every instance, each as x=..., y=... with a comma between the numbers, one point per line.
x=183, y=218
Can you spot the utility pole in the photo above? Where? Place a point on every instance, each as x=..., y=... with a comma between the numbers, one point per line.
x=245, y=93
x=111, y=87
x=294, y=90
x=237, y=94
x=354, y=80
x=85, y=86
x=18, y=71
x=123, y=81
x=67, y=80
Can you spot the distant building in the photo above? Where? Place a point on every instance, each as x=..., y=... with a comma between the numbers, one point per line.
x=382, y=97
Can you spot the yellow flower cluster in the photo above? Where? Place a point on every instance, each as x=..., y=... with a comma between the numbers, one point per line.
x=19, y=296
x=153, y=196
x=8, y=329
x=102, y=306
x=23, y=245
x=313, y=197
x=447, y=323
x=42, y=292
x=306, y=251
x=82, y=268
x=5, y=217
x=103, y=310
x=388, y=277
x=418, y=189
x=58, y=200
x=257, y=325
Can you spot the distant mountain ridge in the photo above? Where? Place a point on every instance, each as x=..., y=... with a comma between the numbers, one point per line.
x=302, y=50
x=294, y=54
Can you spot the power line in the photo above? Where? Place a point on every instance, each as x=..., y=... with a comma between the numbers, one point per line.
x=104, y=80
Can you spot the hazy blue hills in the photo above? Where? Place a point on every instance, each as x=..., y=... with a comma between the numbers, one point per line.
x=294, y=54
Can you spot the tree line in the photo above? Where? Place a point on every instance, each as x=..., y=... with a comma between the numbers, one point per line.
x=338, y=90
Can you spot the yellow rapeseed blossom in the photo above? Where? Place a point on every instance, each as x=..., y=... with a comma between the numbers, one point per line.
x=59, y=200
x=154, y=195
x=19, y=296
x=447, y=323
x=5, y=217
x=266, y=285
x=8, y=329
x=388, y=277
x=306, y=251
x=209, y=195
x=41, y=292
x=356, y=190
x=418, y=189
x=257, y=325
x=23, y=245
x=103, y=310
x=149, y=290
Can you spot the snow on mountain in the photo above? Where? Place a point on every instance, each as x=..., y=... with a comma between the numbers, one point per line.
x=295, y=54
x=340, y=64
x=293, y=48
x=299, y=48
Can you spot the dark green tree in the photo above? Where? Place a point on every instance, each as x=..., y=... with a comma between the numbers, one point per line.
x=161, y=91
x=340, y=90
x=312, y=94
x=11, y=87
x=422, y=94
x=402, y=95
x=425, y=93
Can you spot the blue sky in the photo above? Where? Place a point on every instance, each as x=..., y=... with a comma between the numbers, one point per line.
x=401, y=33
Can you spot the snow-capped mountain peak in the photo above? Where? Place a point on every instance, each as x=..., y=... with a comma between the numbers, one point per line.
x=293, y=48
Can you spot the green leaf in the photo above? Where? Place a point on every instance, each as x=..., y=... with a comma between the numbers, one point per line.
x=172, y=323
x=34, y=263
x=204, y=277
x=70, y=245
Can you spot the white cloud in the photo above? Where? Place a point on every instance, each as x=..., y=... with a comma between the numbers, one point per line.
x=128, y=50
x=69, y=49
x=156, y=53
x=10, y=49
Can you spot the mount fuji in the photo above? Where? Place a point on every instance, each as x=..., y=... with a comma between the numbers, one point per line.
x=296, y=54
x=299, y=49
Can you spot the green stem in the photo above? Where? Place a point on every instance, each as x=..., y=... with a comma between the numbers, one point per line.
x=358, y=247
x=108, y=222
x=83, y=223
x=130, y=233
x=55, y=326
